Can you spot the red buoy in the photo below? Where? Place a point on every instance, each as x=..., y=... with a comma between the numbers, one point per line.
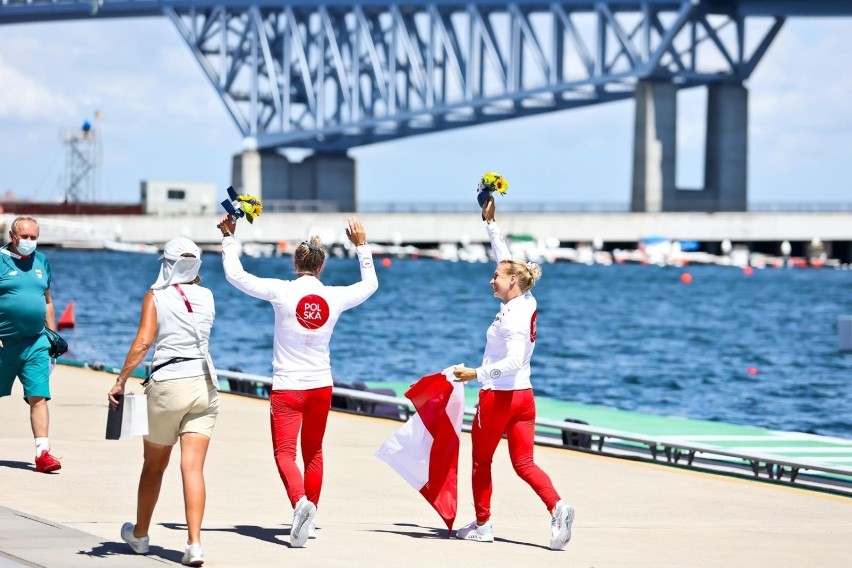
x=67, y=319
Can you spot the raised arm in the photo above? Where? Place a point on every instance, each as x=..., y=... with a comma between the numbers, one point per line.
x=498, y=243
x=261, y=288
x=360, y=291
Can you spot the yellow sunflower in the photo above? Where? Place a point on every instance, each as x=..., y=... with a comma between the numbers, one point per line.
x=250, y=205
x=493, y=181
x=500, y=185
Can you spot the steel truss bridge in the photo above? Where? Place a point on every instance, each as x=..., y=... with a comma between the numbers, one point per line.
x=331, y=75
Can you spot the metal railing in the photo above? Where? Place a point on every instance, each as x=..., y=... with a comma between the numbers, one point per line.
x=505, y=206
x=510, y=206
x=801, y=206
x=761, y=465
x=305, y=206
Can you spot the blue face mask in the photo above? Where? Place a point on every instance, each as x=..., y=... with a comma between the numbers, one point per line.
x=27, y=247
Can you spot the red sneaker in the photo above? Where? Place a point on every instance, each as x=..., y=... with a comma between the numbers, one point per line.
x=45, y=463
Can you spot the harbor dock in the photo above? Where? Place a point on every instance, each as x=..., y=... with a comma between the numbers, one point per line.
x=629, y=513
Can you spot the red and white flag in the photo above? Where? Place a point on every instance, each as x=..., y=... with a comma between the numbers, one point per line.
x=425, y=451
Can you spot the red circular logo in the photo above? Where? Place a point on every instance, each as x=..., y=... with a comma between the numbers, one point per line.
x=312, y=311
x=533, y=327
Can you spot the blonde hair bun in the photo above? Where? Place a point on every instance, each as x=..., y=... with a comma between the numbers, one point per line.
x=535, y=270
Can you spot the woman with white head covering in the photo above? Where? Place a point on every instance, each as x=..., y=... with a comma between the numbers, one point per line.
x=183, y=398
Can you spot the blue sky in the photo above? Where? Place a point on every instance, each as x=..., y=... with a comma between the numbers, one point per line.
x=163, y=121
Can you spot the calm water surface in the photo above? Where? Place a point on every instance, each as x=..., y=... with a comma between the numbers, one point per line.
x=631, y=337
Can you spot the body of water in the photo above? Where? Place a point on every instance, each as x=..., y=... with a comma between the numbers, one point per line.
x=759, y=350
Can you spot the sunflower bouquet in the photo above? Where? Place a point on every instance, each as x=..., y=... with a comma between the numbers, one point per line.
x=243, y=205
x=488, y=184
x=251, y=206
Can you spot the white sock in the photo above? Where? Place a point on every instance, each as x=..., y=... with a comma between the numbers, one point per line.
x=42, y=445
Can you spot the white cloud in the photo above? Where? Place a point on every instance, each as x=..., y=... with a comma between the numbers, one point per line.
x=23, y=99
x=801, y=121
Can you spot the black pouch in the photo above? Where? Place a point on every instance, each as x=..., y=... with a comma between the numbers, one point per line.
x=58, y=346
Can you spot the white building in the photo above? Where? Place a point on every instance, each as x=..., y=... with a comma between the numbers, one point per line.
x=173, y=198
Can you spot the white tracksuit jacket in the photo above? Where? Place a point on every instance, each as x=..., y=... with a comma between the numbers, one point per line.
x=510, y=339
x=306, y=311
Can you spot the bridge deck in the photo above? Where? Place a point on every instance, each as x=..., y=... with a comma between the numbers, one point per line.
x=629, y=513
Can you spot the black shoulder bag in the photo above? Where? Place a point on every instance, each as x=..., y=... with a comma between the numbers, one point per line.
x=58, y=346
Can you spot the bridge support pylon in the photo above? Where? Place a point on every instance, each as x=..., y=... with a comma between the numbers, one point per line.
x=654, y=147
x=320, y=182
x=726, y=154
x=655, y=150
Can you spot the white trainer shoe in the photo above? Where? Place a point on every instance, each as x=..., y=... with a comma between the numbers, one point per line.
x=473, y=531
x=560, y=525
x=302, y=516
x=139, y=544
x=312, y=528
x=193, y=555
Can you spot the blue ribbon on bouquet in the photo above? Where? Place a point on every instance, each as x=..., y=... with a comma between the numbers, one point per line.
x=231, y=205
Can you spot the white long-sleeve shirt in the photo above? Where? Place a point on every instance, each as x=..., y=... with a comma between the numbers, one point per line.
x=510, y=339
x=306, y=311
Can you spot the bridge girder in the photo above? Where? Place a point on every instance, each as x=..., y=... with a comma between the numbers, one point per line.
x=333, y=78
x=336, y=75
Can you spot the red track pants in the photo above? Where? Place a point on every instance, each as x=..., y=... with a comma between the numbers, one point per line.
x=291, y=411
x=511, y=413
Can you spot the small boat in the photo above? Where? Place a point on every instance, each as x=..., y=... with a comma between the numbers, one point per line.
x=258, y=250
x=122, y=246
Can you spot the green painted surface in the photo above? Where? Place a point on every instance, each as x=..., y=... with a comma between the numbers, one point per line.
x=785, y=443
x=717, y=434
x=613, y=418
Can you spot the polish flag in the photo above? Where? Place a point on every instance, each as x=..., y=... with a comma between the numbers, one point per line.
x=425, y=451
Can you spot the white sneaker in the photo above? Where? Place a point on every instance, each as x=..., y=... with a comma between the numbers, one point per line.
x=139, y=544
x=560, y=525
x=193, y=555
x=302, y=516
x=312, y=528
x=473, y=531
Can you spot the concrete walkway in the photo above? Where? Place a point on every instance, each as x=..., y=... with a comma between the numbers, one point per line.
x=629, y=514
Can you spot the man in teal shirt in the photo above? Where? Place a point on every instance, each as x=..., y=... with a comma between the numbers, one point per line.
x=25, y=310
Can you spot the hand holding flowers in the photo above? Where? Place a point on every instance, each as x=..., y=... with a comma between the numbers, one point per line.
x=242, y=205
x=251, y=206
x=488, y=184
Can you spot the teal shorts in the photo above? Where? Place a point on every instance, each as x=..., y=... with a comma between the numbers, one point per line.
x=27, y=359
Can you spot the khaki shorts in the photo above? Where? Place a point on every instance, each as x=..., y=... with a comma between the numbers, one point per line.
x=180, y=406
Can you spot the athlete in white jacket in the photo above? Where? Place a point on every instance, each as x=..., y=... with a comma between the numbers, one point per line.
x=506, y=400
x=306, y=311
